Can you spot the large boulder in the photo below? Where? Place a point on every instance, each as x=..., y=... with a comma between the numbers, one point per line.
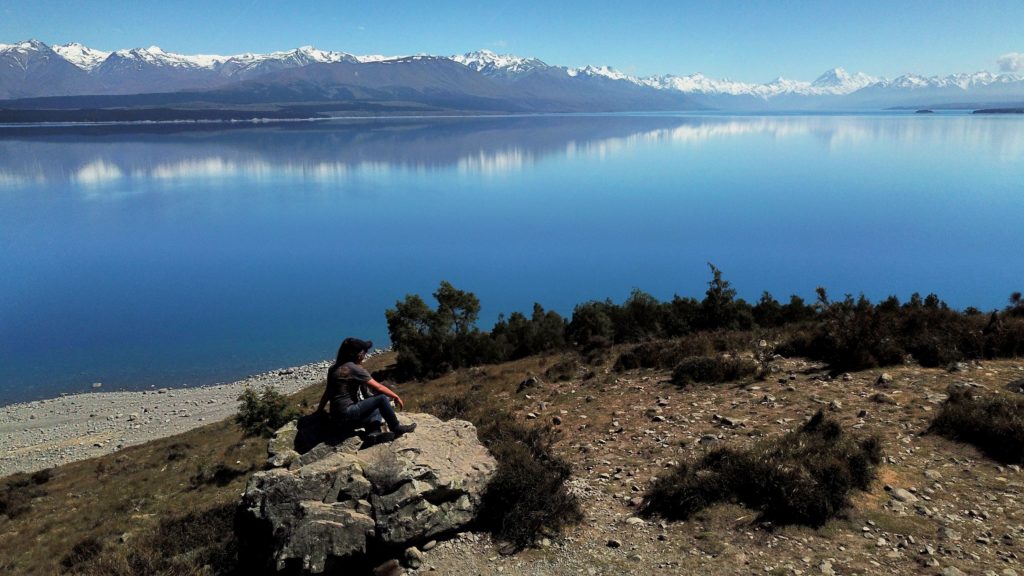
x=339, y=502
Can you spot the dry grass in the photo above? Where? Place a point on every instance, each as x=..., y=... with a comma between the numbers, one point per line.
x=123, y=512
x=609, y=431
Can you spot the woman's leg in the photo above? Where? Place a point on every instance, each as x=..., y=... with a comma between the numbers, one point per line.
x=365, y=408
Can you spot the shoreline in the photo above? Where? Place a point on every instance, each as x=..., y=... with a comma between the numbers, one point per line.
x=40, y=434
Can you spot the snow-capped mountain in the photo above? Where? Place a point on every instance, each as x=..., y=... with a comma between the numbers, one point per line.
x=82, y=56
x=32, y=69
x=833, y=82
x=503, y=65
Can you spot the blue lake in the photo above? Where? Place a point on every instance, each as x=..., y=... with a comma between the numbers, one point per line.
x=169, y=255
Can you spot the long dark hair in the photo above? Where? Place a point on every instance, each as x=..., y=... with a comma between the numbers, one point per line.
x=347, y=352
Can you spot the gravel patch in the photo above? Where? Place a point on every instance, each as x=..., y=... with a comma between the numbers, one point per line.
x=44, y=433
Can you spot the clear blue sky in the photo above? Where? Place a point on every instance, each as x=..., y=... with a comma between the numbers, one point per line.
x=742, y=40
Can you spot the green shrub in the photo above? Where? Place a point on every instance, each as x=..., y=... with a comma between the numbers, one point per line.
x=720, y=310
x=994, y=424
x=711, y=369
x=262, y=413
x=804, y=477
x=432, y=342
x=520, y=336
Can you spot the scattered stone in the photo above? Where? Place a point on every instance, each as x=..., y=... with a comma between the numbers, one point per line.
x=429, y=545
x=96, y=385
x=904, y=496
x=531, y=416
x=883, y=398
x=528, y=383
x=1016, y=386
x=835, y=405
x=413, y=557
x=390, y=568
x=707, y=439
x=613, y=543
x=884, y=379
x=634, y=521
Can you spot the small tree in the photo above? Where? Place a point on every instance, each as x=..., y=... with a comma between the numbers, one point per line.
x=431, y=342
x=720, y=309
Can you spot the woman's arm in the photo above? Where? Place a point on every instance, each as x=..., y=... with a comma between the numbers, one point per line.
x=385, y=391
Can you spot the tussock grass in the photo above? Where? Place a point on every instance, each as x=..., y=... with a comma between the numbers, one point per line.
x=993, y=424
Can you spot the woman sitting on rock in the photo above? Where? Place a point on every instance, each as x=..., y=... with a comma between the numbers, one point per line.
x=346, y=378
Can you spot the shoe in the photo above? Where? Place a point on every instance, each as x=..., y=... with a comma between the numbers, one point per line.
x=378, y=438
x=404, y=429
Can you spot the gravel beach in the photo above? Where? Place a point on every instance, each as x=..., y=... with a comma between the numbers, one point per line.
x=44, y=433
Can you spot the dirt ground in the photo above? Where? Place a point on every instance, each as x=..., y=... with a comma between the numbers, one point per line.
x=938, y=506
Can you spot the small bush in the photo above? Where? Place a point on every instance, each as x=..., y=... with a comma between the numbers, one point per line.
x=200, y=542
x=664, y=354
x=218, y=474
x=994, y=424
x=710, y=369
x=804, y=477
x=261, y=413
x=448, y=407
x=81, y=553
x=563, y=371
x=42, y=476
x=527, y=495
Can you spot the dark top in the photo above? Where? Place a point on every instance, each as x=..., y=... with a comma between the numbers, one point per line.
x=343, y=385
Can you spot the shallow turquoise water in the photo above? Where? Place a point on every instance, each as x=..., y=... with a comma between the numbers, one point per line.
x=170, y=255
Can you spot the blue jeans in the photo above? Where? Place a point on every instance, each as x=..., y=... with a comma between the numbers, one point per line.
x=371, y=409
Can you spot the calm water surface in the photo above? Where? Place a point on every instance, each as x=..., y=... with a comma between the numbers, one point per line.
x=157, y=256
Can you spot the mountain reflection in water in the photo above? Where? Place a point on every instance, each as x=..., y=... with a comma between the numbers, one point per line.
x=187, y=254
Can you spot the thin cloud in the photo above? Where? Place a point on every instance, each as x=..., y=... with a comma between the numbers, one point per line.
x=1011, y=62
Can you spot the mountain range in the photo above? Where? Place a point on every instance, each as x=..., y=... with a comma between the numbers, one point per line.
x=34, y=75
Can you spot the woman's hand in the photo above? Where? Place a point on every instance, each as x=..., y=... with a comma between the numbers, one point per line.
x=399, y=401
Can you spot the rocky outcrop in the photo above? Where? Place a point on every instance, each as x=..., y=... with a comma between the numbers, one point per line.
x=339, y=502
